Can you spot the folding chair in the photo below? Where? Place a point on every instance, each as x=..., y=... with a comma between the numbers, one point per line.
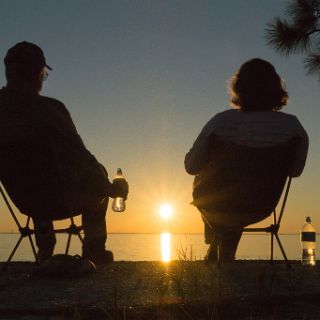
x=26, y=231
x=242, y=185
x=21, y=155
x=274, y=227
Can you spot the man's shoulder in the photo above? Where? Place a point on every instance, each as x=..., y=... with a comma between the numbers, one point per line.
x=52, y=103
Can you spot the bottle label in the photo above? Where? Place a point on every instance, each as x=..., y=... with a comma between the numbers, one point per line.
x=308, y=236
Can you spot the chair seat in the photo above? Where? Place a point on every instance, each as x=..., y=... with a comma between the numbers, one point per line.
x=242, y=185
x=27, y=232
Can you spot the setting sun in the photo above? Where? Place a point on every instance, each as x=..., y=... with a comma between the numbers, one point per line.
x=166, y=211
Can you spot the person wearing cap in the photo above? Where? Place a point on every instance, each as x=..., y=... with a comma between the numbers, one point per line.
x=45, y=166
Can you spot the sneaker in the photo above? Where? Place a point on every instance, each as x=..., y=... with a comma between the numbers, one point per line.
x=99, y=257
x=44, y=254
x=62, y=265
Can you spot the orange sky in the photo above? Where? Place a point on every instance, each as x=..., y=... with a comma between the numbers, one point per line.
x=140, y=82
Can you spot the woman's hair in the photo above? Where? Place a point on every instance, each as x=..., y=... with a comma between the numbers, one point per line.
x=257, y=86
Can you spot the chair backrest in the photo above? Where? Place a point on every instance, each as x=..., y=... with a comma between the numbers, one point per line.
x=31, y=176
x=243, y=180
x=43, y=174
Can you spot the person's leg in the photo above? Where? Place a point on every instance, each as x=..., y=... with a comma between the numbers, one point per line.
x=223, y=234
x=95, y=233
x=208, y=232
x=45, y=238
x=228, y=240
x=210, y=238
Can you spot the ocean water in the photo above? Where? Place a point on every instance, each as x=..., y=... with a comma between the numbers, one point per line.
x=160, y=247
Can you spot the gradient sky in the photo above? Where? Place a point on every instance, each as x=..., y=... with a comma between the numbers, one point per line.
x=141, y=79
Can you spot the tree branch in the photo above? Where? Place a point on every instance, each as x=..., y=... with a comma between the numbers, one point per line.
x=313, y=31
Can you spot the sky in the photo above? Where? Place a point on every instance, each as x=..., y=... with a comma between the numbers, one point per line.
x=142, y=77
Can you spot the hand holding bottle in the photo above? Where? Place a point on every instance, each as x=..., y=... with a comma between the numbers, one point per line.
x=121, y=189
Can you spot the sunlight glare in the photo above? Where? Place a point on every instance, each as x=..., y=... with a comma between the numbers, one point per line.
x=165, y=211
x=166, y=246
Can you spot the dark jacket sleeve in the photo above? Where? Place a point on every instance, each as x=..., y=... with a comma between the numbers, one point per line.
x=77, y=160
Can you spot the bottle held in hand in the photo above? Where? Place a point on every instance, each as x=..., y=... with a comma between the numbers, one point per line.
x=308, y=242
x=119, y=204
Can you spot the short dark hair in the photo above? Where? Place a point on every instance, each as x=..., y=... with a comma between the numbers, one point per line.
x=257, y=86
x=21, y=72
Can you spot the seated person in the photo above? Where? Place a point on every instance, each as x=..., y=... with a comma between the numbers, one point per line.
x=45, y=167
x=257, y=95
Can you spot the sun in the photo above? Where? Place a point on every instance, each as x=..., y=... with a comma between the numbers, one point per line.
x=165, y=211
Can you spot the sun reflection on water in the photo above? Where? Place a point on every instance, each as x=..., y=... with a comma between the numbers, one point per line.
x=166, y=246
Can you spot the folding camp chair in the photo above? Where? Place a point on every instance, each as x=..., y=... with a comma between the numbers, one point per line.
x=274, y=227
x=33, y=178
x=242, y=185
x=26, y=231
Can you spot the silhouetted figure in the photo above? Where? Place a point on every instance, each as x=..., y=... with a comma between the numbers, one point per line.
x=44, y=165
x=219, y=158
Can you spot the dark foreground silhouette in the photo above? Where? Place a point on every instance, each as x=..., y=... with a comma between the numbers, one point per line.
x=154, y=290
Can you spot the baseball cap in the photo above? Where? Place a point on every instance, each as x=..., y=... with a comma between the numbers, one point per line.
x=26, y=53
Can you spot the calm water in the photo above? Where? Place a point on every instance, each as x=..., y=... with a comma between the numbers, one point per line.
x=165, y=247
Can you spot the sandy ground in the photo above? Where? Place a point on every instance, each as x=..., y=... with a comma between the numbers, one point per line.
x=155, y=290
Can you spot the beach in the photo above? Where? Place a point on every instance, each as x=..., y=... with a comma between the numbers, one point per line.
x=246, y=289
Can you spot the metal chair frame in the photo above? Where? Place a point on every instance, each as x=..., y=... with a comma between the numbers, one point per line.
x=26, y=231
x=274, y=227
x=231, y=166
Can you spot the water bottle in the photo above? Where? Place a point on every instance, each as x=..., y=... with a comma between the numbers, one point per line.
x=308, y=242
x=119, y=204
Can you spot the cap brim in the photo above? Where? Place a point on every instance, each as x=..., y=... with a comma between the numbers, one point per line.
x=48, y=67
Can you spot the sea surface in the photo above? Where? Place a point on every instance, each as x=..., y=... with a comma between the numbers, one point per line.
x=163, y=247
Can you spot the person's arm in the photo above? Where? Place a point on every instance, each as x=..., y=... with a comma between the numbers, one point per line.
x=198, y=155
x=301, y=151
x=74, y=143
x=118, y=189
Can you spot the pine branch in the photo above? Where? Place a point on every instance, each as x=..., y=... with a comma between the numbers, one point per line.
x=303, y=14
x=286, y=38
x=312, y=63
x=300, y=34
x=300, y=7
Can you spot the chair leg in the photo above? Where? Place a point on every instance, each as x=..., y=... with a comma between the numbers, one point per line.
x=5, y=266
x=271, y=256
x=283, y=252
x=33, y=249
x=80, y=237
x=68, y=243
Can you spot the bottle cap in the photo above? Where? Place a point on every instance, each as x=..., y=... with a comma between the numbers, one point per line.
x=308, y=219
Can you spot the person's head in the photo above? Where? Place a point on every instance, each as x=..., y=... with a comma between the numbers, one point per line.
x=257, y=87
x=26, y=66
